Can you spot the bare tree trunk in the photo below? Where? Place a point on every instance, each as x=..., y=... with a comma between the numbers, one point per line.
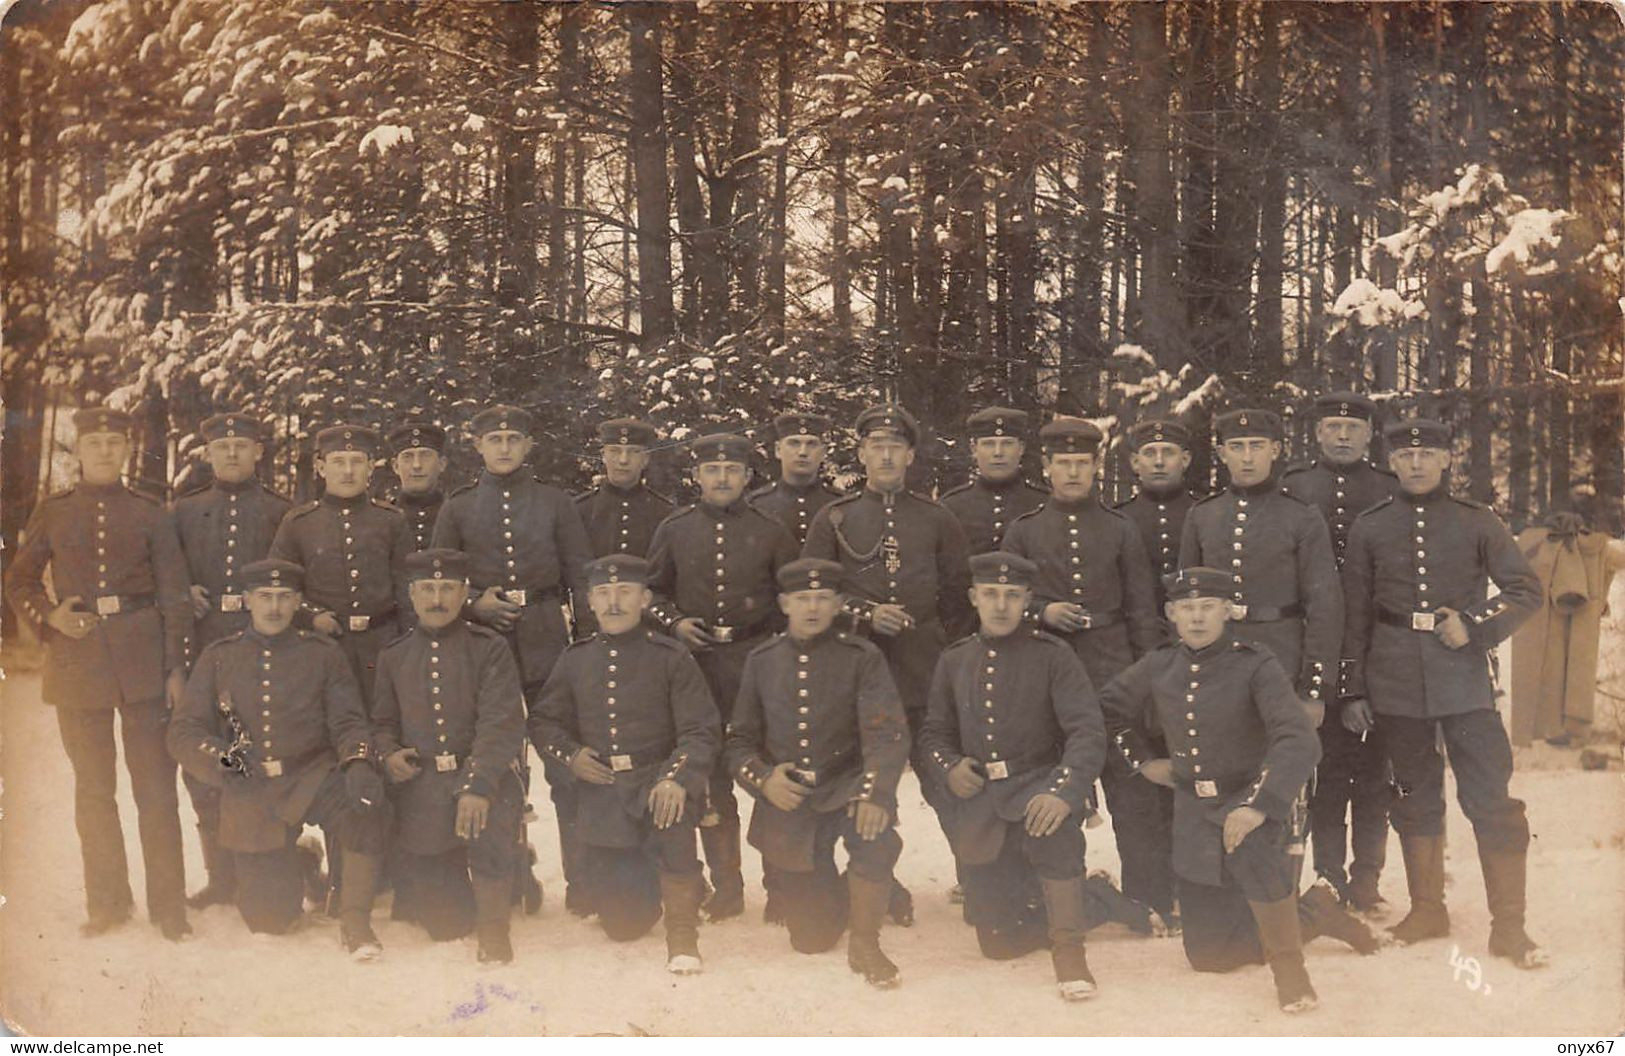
x=775, y=278
x=840, y=225
x=648, y=158
x=1268, y=352
x=1162, y=316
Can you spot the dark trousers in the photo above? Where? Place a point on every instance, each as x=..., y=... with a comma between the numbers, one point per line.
x=1142, y=826
x=1352, y=780
x=439, y=885
x=723, y=666
x=626, y=880
x=1481, y=756
x=1219, y=930
x=912, y=658
x=87, y=735
x=815, y=901
x=361, y=648
x=205, y=804
x=992, y=901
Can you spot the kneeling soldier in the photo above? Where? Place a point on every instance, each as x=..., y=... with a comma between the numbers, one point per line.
x=273, y=717
x=1242, y=748
x=450, y=723
x=627, y=712
x=819, y=737
x=1016, y=731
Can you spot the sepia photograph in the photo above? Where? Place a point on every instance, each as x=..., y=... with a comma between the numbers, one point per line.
x=774, y=519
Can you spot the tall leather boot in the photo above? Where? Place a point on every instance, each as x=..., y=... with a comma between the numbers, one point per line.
x=221, y=867
x=1279, y=935
x=680, y=895
x=1066, y=905
x=493, y=903
x=867, y=902
x=722, y=854
x=1505, y=880
x=361, y=873
x=1424, y=876
x=1369, y=844
x=578, y=890
x=1321, y=913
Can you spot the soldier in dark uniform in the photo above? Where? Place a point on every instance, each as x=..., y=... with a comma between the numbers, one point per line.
x=907, y=570
x=417, y=451
x=712, y=568
x=223, y=526
x=1014, y=731
x=819, y=738
x=449, y=723
x=1093, y=589
x=627, y=713
x=1419, y=633
x=997, y=494
x=527, y=549
x=273, y=717
x=621, y=513
x=1241, y=747
x=800, y=492
x=1159, y=454
x=116, y=638
x=1353, y=775
x=353, y=549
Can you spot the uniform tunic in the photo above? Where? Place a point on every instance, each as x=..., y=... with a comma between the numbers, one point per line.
x=719, y=565
x=792, y=506
x=986, y=509
x=1340, y=493
x=223, y=527
x=621, y=520
x=453, y=695
x=420, y=508
x=1160, y=517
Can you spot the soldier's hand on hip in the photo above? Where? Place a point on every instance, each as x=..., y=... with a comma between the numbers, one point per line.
x=365, y=787
x=1045, y=812
x=586, y=766
x=963, y=780
x=174, y=688
x=690, y=630
x=1357, y=715
x=401, y=764
x=1238, y=824
x=781, y=790
x=472, y=811
x=870, y=819
x=1158, y=772
x=666, y=800
x=200, y=602
x=67, y=618
x=890, y=619
x=1451, y=630
x=493, y=610
x=1063, y=616
x=327, y=624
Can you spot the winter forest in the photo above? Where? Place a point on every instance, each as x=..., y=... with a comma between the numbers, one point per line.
x=705, y=213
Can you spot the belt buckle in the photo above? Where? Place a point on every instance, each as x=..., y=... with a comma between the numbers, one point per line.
x=1207, y=789
x=998, y=770
x=359, y=623
x=271, y=767
x=619, y=763
x=518, y=597
x=1238, y=611
x=806, y=777
x=1423, y=621
x=231, y=603
x=722, y=633
x=1088, y=621
x=107, y=605
x=444, y=764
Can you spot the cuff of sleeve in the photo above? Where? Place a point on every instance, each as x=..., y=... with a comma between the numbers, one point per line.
x=1132, y=746
x=945, y=761
x=665, y=615
x=480, y=785
x=359, y=751
x=1034, y=613
x=560, y=751
x=1312, y=682
x=1266, y=798
x=860, y=609
x=1353, y=679
x=753, y=773
x=1061, y=783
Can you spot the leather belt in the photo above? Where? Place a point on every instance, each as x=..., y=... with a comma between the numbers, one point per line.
x=1205, y=788
x=729, y=635
x=229, y=603
x=836, y=767
x=1004, y=769
x=623, y=761
x=1410, y=621
x=358, y=622
x=1262, y=614
x=528, y=596
x=1094, y=621
x=123, y=604
x=280, y=767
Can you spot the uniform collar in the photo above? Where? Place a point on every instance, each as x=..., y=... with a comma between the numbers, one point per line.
x=236, y=489
x=502, y=480
x=616, y=489
x=1263, y=487
x=1218, y=645
x=999, y=486
x=799, y=489
x=442, y=633
x=287, y=634
x=419, y=498
x=344, y=504
x=1003, y=639
x=101, y=491
x=624, y=638
x=885, y=498
x=1089, y=501
x=816, y=640
x=717, y=513
x=1427, y=497
x=1345, y=468
x=1153, y=495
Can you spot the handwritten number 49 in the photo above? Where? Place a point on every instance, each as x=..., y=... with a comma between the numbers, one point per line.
x=1469, y=965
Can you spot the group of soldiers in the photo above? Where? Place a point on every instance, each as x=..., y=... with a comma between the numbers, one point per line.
x=1278, y=660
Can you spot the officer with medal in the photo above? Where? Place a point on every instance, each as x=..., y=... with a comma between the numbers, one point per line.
x=1353, y=777
x=353, y=549
x=272, y=716
x=819, y=737
x=1015, y=733
x=223, y=527
x=1159, y=455
x=627, y=713
x=621, y=513
x=712, y=568
x=117, y=626
x=997, y=494
x=1240, y=747
x=417, y=452
x=801, y=441
x=449, y=723
x=1420, y=633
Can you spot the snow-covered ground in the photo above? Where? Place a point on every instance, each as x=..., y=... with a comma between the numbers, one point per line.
x=569, y=979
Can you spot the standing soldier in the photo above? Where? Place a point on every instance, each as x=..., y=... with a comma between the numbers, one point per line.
x=819, y=737
x=418, y=453
x=620, y=514
x=627, y=713
x=119, y=635
x=526, y=550
x=1092, y=587
x=223, y=526
x=450, y=729
x=1015, y=732
x=907, y=573
x=1241, y=747
x=353, y=549
x=1160, y=454
x=997, y=494
x=1419, y=633
x=712, y=568
x=273, y=718
x=799, y=493
x=1353, y=775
